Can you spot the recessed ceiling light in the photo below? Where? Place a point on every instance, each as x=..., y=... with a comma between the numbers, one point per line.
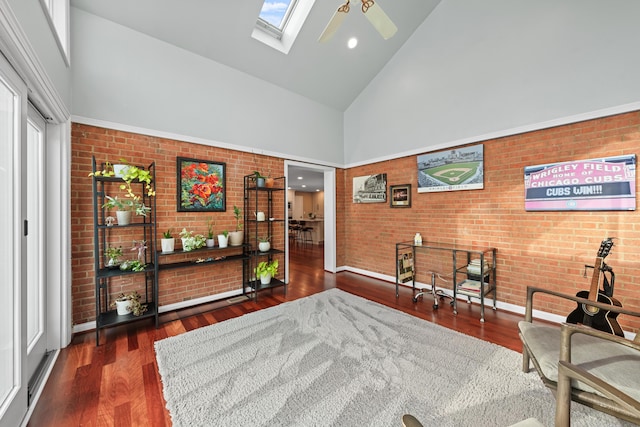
x=353, y=42
x=304, y=186
x=299, y=177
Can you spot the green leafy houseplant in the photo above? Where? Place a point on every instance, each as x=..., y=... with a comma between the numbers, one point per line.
x=237, y=213
x=133, y=265
x=167, y=234
x=210, y=229
x=265, y=268
x=113, y=254
x=192, y=241
x=126, y=205
x=135, y=307
x=131, y=174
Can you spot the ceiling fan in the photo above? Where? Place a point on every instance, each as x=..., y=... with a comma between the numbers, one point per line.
x=371, y=10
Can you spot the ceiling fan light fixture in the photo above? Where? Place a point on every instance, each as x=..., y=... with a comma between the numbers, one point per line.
x=334, y=23
x=379, y=19
x=374, y=13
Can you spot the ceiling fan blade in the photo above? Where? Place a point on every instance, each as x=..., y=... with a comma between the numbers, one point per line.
x=379, y=20
x=334, y=23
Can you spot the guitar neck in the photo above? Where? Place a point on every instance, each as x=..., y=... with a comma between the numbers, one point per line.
x=595, y=280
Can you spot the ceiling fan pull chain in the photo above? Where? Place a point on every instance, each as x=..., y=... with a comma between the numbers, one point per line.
x=366, y=4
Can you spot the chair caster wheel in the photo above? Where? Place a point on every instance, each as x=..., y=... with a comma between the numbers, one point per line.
x=415, y=299
x=435, y=306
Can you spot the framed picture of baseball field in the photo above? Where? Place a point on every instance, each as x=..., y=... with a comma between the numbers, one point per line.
x=451, y=170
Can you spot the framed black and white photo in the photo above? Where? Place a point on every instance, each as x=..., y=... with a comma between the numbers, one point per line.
x=370, y=188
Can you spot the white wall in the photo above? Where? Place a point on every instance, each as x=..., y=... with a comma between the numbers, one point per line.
x=126, y=77
x=33, y=22
x=482, y=68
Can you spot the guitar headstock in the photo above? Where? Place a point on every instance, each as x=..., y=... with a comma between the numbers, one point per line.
x=605, y=247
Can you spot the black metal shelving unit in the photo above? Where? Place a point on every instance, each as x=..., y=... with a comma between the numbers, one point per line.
x=144, y=228
x=271, y=201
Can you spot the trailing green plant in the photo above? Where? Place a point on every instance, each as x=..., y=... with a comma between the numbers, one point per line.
x=107, y=171
x=136, y=308
x=237, y=213
x=167, y=234
x=135, y=173
x=133, y=265
x=132, y=173
x=266, y=267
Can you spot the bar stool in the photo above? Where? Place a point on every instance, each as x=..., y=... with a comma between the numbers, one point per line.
x=294, y=230
x=304, y=234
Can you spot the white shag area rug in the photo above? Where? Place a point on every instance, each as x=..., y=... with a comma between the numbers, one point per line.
x=335, y=359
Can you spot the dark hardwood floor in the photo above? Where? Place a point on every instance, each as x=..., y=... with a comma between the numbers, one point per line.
x=118, y=384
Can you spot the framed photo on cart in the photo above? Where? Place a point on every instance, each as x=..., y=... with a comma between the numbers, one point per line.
x=400, y=196
x=201, y=185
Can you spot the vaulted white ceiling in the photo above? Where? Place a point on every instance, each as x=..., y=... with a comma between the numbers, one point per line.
x=328, y=73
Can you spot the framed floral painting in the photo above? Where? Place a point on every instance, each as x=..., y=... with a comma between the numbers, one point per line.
x=201, y=185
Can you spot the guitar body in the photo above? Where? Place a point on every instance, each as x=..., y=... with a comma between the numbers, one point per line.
x=601, y=320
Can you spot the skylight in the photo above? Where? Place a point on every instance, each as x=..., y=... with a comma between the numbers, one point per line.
x=274, y=16
x=280, y=21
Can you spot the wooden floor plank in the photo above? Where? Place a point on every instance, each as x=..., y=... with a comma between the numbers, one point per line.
x=117, y=383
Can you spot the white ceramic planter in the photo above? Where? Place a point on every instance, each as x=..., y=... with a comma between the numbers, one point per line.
x=265, y=279
x=124, y=217
x=222, y=240
x=120, y=170
x=168, y=245
x=123, y=307
x=264, y=246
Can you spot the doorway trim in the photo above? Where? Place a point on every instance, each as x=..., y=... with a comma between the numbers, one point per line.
x=329, y=211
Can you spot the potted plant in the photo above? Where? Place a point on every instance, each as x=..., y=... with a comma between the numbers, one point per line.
x=265, y=270
x=191, y=241
x=134, y=173
x=133, y=265
x=167, y=242
x=236, y=237
x=268, y=180
x=211, y=242
x=264, y=244
x=113, y=256
x=129, y=173
x=223, y=239
x=258, y=178
x=129, y=303
x=124, y=207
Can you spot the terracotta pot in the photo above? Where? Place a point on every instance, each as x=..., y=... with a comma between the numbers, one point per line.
x=268, y=182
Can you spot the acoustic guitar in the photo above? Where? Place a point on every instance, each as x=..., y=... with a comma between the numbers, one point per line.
x=589, y=315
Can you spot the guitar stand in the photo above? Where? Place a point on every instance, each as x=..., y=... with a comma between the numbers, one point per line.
x=436, y=293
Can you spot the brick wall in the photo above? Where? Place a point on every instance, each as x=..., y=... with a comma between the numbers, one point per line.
x=174, y=285
x=547, y=249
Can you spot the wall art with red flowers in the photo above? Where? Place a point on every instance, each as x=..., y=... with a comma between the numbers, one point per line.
x=201, y=186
